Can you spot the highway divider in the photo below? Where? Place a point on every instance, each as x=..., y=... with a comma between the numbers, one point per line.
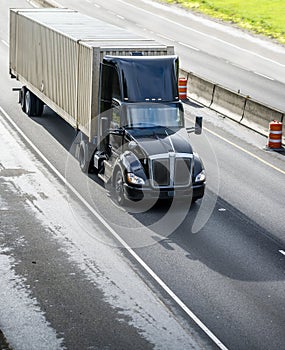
x=234, y=105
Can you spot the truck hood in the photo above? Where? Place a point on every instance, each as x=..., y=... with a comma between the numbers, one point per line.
x=155, y=141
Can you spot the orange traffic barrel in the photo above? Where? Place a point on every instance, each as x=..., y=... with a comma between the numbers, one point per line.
x=182, y=88
x=275, y=134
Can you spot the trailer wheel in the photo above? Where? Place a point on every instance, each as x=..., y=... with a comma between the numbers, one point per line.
x=119, y=188
x=83, y=157
x=22, y=98
x=32, y=104
x=29, y=103
x=39, y=107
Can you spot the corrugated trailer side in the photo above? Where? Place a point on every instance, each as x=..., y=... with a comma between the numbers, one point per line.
x=38, y=60
x=57, y=53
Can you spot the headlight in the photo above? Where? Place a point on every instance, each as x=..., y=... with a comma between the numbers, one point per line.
x=134, y=179
x=201, y=177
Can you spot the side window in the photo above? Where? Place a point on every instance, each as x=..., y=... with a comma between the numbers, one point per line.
x=110, y=86
x=116, y=93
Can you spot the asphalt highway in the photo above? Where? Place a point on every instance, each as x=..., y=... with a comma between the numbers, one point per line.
x=211, y=276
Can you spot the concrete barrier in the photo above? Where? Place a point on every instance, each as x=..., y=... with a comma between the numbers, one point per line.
x=200, y=89
x=257, y=116
x=183, y=73
x=228, y=103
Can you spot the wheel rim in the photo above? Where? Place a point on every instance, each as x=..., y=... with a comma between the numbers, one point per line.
x=28, y=102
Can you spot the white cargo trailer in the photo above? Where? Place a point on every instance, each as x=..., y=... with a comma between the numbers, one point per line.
x=56, y=54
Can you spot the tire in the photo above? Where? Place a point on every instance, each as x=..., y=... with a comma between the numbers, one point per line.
x=39, y=107
x=83, y=157
x=22, y=98
x=119, y=188
x=32, y=104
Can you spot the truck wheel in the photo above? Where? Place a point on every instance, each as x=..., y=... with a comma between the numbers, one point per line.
x=39, y=107
x=83, y=157
x=30, y=103
x=22, y=98
x=119, y=188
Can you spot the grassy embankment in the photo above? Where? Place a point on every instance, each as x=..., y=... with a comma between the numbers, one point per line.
x=265, y=17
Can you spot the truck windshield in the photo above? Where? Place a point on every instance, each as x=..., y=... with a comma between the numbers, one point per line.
x=151, y=115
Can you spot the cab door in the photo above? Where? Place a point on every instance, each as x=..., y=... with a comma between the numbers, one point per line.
x=115, y=141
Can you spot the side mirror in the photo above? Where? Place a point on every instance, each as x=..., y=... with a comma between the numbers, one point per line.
x=197, y=129
x=198, y=125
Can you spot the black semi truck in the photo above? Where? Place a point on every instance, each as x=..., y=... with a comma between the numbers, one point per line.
x=119, y=90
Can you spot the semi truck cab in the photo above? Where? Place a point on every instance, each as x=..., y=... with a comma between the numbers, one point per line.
x=142, y=146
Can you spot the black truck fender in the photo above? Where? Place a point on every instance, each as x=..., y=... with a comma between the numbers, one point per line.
x=128, y=162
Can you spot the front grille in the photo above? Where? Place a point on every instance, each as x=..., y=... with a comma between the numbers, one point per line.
x=160, y=172
x=182, y=171
x=171, y=170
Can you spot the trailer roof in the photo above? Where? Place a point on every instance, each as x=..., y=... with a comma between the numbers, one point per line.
x=93, y=32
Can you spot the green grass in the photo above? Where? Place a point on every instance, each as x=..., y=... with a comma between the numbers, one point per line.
x=265, y=17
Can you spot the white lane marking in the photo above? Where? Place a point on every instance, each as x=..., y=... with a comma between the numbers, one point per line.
x=189, y=46
x=164, y=37
x=117, y=237
x=239, y=66
x=282, y=252
x=5, y=43
x=206, y=35
x=121, y=17
x=263, y=75
x=98, y=6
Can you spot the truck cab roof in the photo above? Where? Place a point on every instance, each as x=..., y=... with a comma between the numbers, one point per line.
x=146, y=78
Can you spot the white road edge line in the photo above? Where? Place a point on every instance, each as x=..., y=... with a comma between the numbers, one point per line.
x=282, y=252
x=117, y=237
